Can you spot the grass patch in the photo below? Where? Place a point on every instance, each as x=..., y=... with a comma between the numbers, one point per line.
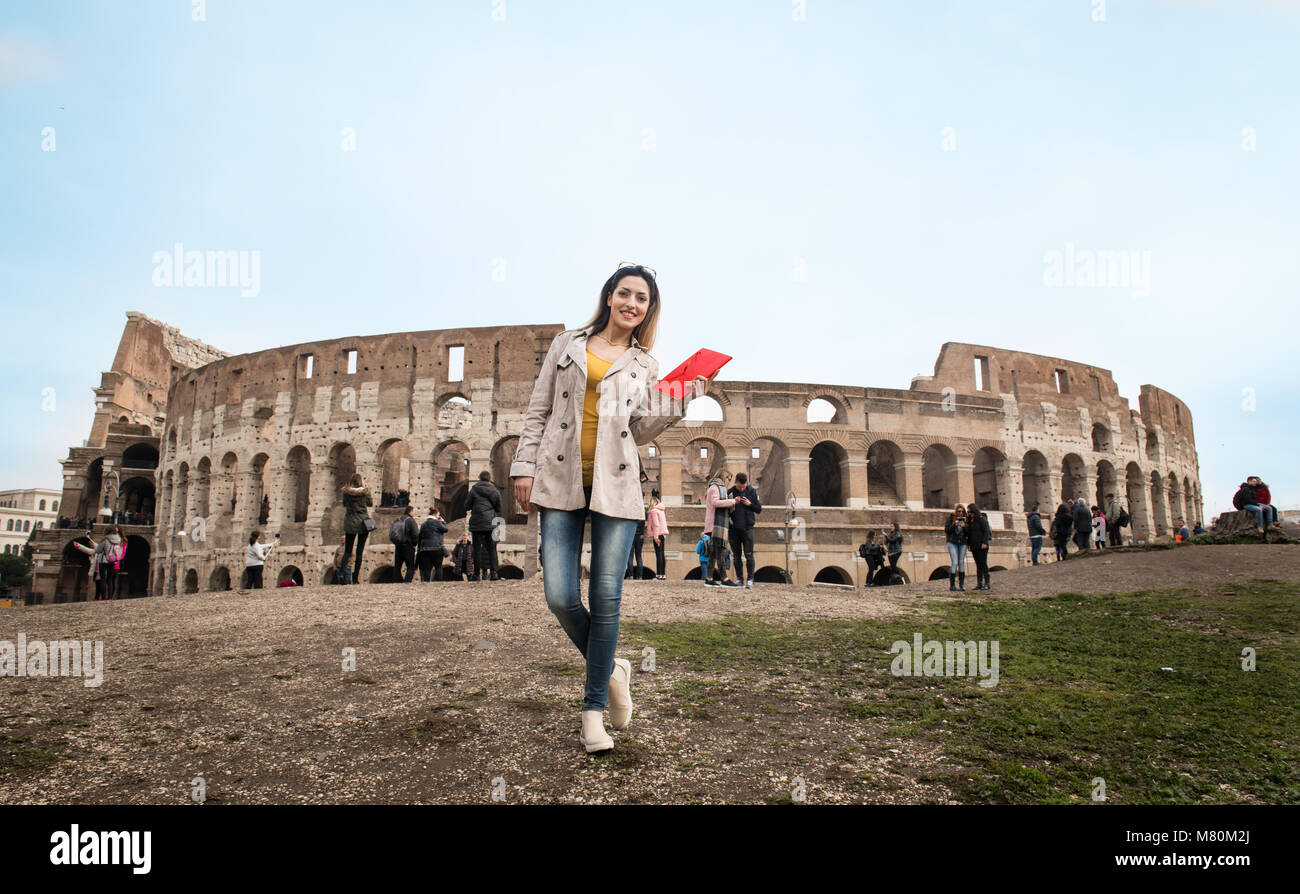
x=1081, y=694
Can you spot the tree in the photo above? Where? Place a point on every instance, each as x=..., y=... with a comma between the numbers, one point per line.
x=14, y=570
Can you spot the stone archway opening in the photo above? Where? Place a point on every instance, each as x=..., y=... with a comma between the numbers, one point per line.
x=191, y=581
x=1073, y=482
x=766, y=467
x=219, y=580
x=395, y=474
x=939, y=477
x=989, y=475
x=1037, y=483
x=451, y=479
x=768, y=574
x=702, y=458
x=1107, y=483
x=289, y=573
x=828, y=476
x=833, y=574
x=885, y=475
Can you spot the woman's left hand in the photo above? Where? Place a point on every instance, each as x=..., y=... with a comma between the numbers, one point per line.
x=701, y=385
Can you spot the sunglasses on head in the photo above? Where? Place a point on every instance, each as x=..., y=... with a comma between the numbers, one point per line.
x=625, y=264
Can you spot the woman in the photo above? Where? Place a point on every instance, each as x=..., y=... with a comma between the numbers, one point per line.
x=1062, y=528
x=1035, y=534
x=96, y=553
x=593, y=402
x=979, y=535
x=958, y=536
x=357, y=525
x=894, y=547
x=1264, y=497
x=657, y=527
x=256, y=558
x=110, y=563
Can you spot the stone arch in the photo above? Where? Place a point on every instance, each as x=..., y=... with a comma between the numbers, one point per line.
x=825, y=409
x=181, y=497
x=694, y=573
x=768, y=471
x=940, y=573
x=455, y=415
x=191, y=581
x=289, y=572
x=137, y=498
x=828, y=474
x=225, y=493
x=451, y=478
x=989, y=477
x=1037, y=482
x=297, y=484
x=202, y=488
x=382, y=575
x=833, y=574
x=1175, y=493
x=219, y=580
x=702, y=458
x=140, y=456
x=1073, y=481
x=1153, y=445
x=1159, y=507
x=768, y=574
x=74, y=572
x=939, y=476
x=1101, y=440
x=886, y=478
x=259, y=504
x=513, y=572
x=1134, y=491
x=394, y=460
x=651, y=463
x=90, y=497
x=704, y=409
x=1189, y=505
x=503, y=453
x=1107, y=483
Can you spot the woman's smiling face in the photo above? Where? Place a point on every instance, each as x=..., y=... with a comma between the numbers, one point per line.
x=628, y=304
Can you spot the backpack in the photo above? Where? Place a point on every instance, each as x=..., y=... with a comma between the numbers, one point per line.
x=1123, y=519
x=397, y=533
x=862, y=551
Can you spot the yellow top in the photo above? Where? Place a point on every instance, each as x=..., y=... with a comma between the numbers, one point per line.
x=596, y=369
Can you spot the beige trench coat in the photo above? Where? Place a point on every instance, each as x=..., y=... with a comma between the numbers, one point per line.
x=550, y=447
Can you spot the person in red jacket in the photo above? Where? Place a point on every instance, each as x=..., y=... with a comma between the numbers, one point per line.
x=1263, y=497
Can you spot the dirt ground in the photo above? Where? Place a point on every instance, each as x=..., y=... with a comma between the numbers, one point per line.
x=462, y=690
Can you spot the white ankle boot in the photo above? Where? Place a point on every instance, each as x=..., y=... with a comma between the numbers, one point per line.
x=620, y=694
x=592, y=735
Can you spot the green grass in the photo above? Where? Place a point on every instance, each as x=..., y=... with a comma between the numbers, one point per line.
x=1081, y=691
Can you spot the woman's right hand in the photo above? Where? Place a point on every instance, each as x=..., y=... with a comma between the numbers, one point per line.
x=523, y=492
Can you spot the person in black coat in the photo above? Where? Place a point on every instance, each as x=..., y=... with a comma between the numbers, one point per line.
x=1062, y=526
x=1036, y=533
x=894, y=546
x=431, y=553
x=741, y=532
x=979, y=538
x=484, y=505
x=1082, y=524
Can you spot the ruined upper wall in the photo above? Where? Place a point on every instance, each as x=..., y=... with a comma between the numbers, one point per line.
x=1028, y=377
x=392, y=364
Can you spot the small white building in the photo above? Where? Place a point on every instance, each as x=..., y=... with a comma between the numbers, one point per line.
x=24, y=511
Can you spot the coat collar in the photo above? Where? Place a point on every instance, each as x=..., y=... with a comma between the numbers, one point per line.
x=577, y=350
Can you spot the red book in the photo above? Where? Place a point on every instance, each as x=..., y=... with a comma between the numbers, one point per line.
x=703, y=362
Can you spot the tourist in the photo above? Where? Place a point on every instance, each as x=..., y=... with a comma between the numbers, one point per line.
x=1184, y=533
x=894, y=546
x=717, y=520
x=462, y=559
x=957, y=534
x=1247, y=499
x=702, y=551
x=1112, y=511
x=874, y=554
x=431, y=551
x=1265, y=498
x=742, y=526
x=1062, y=526
x=256, y=559
x=979, y=536
x=111, y=564
x=1082, y=524
x=357, y=525
x=1036, y=533
x=483, y=504
x=1198, y=530
x=405, y=536
x=606, y=362
x=635, y=567
x=657, y=528
x=1098, y=528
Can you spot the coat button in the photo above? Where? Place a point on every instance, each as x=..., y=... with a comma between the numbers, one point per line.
x=622, y=466
x=629, y=403
x=565, y=394
x=560, y=457
x=634, y=375
x=624, y=434
x=564, y=425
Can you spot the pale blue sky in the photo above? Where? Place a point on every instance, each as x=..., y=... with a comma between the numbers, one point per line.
x=773, y=140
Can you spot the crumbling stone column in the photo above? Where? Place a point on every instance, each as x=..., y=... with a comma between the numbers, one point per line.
x=913, y=495
x=856, y=477
x=965, y=483
x=798, y=477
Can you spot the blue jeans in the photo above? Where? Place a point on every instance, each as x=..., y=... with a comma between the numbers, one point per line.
x=957, y=552
x=594, y=631
x=1036, y=544
x=1262, y=514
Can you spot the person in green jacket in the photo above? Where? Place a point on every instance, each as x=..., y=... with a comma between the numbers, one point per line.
x=356, y=497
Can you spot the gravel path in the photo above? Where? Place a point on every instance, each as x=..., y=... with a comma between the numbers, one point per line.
x=461, y=690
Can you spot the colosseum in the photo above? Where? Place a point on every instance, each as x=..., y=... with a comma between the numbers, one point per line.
x=266, y=440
